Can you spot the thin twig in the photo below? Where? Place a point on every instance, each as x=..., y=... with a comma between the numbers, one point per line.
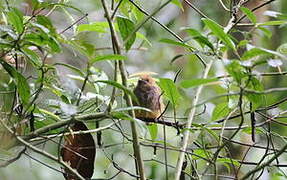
x=75, y=132
x=51, y=167
x=151, y=16
x=9, y=161
x=189, y=121
x=196, y=9
x=42, y=152
x=254, y=9
x=267, y=163
x=223, y=5
x=145, y=20
x=117, y=50
x=116, y=9
x=70, y=26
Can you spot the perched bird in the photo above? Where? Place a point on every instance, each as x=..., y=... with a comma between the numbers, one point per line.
x=79, y=152
x=149, y=96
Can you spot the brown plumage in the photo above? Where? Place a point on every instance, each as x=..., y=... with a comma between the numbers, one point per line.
x=149, y=96
x=79, y=152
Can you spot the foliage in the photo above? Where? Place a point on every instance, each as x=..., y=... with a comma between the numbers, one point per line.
x=62, y=64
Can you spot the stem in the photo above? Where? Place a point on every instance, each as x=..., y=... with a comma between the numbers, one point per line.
x=136, y=145
x=42, y=152
x=266, y=163
x=189, y=121
x=84, y=84
x=117, y=50
x=145, y=20
x=165, y=152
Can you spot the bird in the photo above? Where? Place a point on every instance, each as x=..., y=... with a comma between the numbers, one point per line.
x=79, y=152
x=149, y=96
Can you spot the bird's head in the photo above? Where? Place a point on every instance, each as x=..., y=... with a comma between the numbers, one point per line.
x=146, y=80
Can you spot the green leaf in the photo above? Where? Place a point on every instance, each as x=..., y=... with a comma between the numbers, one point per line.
x=65, y=99
x=248, y=130
x=100, y=27
x=8, y=29
x=50, y=114
x=153, y=131
x=178, y=4
x=45, y=21
x=220, y=111
x=249, y=14
x=85, y=48
x=199, y=153
x=119, y=86
x=122, y=115
x=262, y=51
x=169, y=90
x=35, y=4
x=126, y=27
x=34, y=38
x=42, y=39
x=265, y=31
x=272, y=23
x=218, y=32
x=108, y=57
x=23, y=88
x=54, y=44
x=5, y=44
x=243, y=43
x=196, y=82
x=212, y=133
x=32, y=56
x=276, y=173
x=254, y=52
x=199, y=38
x=256, y=99
x=126, y=8
x=47, y=121
x=173, y=42
x=282, y=49
x=142, y=37
x=236, y=71
x=15, y=17
x=229, y=161
x=21, y=82
x=40, y=27
x=73, y=68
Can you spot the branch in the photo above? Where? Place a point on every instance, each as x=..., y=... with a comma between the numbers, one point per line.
x=145, y=20
x=74, y=132
x=254, y=9
x=151, y=16
x=60, y=124
x=189, y=121
x=267, y=163
x=117, y=50
x=157, y=21
x=42, y=152
x=196, y=9
x=245, y=91
x=9, y=161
